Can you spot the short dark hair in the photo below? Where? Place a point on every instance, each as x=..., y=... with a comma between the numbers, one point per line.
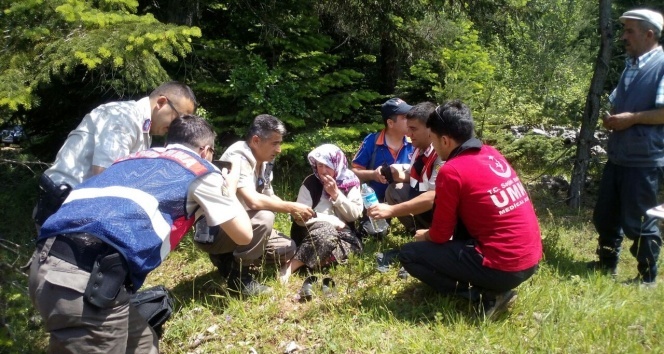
x=452, y=119
x=421, y=112
x=173, y=89
x=192, y=131
x=265, y=124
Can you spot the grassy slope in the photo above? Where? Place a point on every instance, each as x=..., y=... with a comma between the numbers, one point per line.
x=563, y=308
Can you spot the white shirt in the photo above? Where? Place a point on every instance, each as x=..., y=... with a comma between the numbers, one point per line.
x=110, y=131
x=427, y=184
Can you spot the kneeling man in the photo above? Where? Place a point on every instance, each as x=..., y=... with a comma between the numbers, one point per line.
x=484, y=239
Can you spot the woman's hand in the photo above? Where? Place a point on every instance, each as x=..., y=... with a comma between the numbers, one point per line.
x=330, y=186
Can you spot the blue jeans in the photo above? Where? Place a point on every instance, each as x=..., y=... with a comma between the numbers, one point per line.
x=625, y=194
x=455, y=268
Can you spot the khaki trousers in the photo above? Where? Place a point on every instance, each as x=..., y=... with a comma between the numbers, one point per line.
x=266, y=244
x=56, y=289
x=398, y=193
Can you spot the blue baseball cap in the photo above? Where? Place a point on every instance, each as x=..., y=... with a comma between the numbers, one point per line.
x=394, y=106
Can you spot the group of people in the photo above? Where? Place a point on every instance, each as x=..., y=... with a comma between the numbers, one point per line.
x=111, y=207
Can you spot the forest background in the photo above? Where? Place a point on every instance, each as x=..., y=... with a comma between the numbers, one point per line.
x=323, y=68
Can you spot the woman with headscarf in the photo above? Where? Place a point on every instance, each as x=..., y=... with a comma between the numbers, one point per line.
x=333, y=191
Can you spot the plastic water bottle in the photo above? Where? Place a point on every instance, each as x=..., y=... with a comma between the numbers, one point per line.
x=369, y=199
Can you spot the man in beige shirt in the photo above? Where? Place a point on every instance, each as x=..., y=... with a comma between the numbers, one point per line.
x=254, y=190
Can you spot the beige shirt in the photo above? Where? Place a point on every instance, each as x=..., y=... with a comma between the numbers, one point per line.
x=207, y=192
x=251, y=175
x=109, y=132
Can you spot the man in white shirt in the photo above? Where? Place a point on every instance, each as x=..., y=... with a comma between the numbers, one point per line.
x=254, y=190
x=111, y=131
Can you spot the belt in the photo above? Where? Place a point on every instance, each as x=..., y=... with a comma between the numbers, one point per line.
x=80, y=249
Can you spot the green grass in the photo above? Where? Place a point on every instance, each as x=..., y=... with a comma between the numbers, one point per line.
x=563, y=309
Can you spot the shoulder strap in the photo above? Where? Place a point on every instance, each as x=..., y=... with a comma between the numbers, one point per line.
x=372, y=164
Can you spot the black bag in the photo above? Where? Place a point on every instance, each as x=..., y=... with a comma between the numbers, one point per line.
x=50, y=198
x=155, y=305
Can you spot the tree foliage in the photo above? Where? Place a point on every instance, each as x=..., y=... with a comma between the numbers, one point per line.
x=108, y=39
x=312, y=64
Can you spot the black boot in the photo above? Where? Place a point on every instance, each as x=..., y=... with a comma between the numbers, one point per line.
x=241, y=281
x=223, y=262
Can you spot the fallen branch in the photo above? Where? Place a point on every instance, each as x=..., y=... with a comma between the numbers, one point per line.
x=25, y=163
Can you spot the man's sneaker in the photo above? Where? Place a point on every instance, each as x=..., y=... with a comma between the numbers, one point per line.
x=241, y=281
x=603, y=268
x=494, y=308
x=402, y=273
x=642, y=284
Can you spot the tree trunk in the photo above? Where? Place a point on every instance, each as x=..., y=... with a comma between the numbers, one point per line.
x=389, y=66
x=591, y=111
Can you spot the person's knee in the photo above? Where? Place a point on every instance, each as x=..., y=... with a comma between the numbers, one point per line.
x=646, y=249
x=407, y=254
x=263, y=221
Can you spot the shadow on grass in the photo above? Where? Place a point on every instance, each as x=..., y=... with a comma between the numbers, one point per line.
x=200, y=289
x=417, y=303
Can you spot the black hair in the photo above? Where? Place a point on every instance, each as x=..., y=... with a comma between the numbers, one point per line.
x=192, y=131
x=265, y=124
x=452, y=119
x=421, y=111
x=173, y=90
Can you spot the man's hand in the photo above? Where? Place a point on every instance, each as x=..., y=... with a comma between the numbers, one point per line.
x=421, y=235
x=330, y=186
x=380, y=211
x=378, y=177
x=619, y=121
x=301, y=212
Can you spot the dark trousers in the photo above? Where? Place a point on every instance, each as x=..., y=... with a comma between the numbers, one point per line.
x=455, y=268
x=625, y=194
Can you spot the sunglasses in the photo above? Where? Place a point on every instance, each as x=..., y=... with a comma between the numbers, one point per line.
x=170, y=104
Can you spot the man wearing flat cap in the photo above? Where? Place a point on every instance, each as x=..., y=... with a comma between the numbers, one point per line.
x=635, y=167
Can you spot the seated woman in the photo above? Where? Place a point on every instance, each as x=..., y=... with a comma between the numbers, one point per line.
x=333, y=191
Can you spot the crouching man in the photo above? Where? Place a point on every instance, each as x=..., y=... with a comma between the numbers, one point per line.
x=484, y=239
x=254, y=189
x=116, y=227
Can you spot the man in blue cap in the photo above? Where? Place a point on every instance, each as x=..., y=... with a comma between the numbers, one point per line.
x=635, y=168
x=384, y=148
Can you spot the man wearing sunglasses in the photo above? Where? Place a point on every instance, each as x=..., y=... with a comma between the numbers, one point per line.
x=484, y=238
x=111, y=131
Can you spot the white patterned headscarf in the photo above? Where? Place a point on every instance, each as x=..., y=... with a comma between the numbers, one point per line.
x=334, y=158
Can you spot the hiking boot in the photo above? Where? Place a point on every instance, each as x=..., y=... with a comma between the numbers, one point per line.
x=642, y=284
x=223, y=262
x=502, y=302
x=241, y=281
x=602, y=268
